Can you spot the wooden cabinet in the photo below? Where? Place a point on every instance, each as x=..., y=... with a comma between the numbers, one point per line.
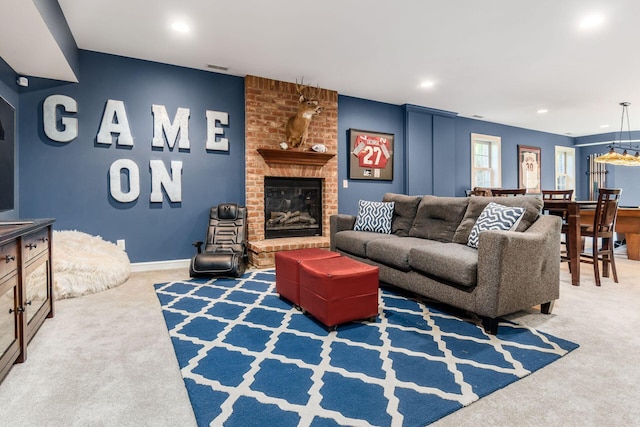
x=26, y=286
x=9, y=331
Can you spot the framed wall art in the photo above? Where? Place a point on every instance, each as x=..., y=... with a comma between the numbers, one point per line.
x=529, y=168
x=370, y=155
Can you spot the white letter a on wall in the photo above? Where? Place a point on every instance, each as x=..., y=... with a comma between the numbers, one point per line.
x=115, y=121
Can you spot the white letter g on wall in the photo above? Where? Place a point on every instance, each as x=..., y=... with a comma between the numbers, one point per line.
x=69, y=130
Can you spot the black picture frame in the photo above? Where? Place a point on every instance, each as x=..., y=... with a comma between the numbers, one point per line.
x=529, y=168
x=370, y=155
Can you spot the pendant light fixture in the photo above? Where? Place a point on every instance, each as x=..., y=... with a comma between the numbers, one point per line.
x=618, y=151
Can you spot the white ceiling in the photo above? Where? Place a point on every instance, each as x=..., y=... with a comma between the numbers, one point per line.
x=27, y=45
x=499, y=59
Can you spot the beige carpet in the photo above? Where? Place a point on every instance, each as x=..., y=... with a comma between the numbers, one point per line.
x=106, y=360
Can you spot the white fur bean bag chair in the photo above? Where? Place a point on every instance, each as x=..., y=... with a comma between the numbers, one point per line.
x=83, y=264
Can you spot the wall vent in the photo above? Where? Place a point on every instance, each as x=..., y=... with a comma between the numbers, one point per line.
x=217, y=67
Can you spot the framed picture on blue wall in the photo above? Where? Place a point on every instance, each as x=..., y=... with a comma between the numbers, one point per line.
x=529, y=168
x=370, y=155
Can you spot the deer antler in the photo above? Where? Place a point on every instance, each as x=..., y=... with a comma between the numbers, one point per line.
x=300, y=88
x=312, y=91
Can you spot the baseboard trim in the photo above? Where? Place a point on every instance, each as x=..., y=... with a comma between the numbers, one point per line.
x=160, y=265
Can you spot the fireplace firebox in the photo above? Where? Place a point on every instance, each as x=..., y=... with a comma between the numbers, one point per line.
x=292, y=207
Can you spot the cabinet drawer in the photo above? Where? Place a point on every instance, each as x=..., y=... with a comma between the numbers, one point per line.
x=35, y=244
x=8, y=258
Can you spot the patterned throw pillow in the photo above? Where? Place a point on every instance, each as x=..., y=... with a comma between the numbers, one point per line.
x=374, y=216
x=495, y=217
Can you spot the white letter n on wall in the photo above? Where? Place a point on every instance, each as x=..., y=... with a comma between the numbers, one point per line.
x=160, y=178
x=163, y=127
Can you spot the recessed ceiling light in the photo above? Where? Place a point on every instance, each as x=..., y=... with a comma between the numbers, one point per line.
x=542, y=111
x=604, y=126
x=592, y=21
x=427, y=84
x=180, y=27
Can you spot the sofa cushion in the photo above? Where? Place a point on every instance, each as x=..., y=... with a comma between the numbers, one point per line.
x=495, y=217
x=532, y=205
x=355, y=242
x=404, y=212
x=450, y=262
x=438, y=217
x=395, y=252
x=374, y=216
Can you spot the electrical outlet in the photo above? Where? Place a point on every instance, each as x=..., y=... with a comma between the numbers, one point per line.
x=345, y=183
x=120, y=243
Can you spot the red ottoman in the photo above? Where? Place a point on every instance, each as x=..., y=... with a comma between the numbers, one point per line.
x=338, y=290
x=288, y=270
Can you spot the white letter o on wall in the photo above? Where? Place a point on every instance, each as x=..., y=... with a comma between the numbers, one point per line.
x=115, y=184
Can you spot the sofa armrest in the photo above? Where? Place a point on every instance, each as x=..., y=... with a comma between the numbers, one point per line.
x=339, y=222
x=518, y=270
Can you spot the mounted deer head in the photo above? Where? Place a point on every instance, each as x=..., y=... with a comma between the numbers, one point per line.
x=297, y=127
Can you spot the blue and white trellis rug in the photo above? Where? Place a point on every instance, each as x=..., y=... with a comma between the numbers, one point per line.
x=251, y=359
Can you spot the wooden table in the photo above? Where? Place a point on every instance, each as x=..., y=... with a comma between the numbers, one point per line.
x=627, y=222
x=574, y=241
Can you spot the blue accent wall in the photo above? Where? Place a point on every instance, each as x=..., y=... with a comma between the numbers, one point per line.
x=418, y=143
x=429, y=151
x=444, y=149
x=511, y=137
x=432, y=152
x=69, y=181
x=356, y=113
x=627, y=178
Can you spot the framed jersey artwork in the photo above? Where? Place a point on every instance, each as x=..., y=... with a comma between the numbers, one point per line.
x=370, y=155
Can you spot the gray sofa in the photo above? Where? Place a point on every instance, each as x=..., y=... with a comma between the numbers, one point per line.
x=426, y=253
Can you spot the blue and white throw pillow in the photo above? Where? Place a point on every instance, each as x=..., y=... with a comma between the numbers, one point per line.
x=495, y=217
x=374, y=216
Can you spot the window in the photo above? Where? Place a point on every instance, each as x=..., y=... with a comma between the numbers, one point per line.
x=485, y=161
x=565, y=168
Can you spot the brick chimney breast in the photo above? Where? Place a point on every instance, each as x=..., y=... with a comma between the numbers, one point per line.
x=268, y=106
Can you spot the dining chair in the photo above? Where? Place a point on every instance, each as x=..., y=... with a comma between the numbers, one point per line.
x=481, y=191
x=557, y=195
x=601, y=232
x=504, y=192
x=564, y=195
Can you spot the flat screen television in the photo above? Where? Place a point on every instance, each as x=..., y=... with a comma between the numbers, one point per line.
x=7, y=154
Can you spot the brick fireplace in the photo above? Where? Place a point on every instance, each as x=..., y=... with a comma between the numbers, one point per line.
x=268, y=106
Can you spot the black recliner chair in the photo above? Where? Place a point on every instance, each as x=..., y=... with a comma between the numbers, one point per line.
x=225, y=251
